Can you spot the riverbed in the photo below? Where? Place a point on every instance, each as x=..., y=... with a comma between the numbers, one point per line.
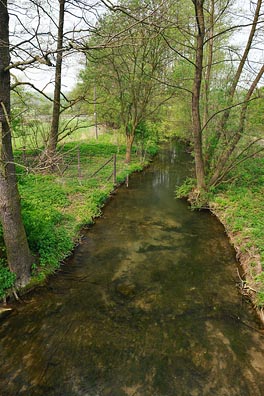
x=147, y=305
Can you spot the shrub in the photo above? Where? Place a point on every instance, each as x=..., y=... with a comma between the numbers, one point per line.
x=184, y=190
x=7, y=278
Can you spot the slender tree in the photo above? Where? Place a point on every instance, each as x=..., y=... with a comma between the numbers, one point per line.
x=225, y=135
x=128, y=71
x=196, y=94
x=54, y=131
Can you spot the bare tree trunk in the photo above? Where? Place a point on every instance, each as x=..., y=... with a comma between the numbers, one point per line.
x=54, y=131
x=18, y=253
x=197, y=130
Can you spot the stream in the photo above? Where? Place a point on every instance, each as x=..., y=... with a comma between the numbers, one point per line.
x=146, y=306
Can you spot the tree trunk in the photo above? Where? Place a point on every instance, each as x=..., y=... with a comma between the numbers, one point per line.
x=207, y=77
x=54, y=131
x=18, y=253
x=197, y=130
x=129, y=144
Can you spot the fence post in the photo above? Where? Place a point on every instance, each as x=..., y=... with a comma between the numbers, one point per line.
x=95, y=114
x=24, y=154
x=114, y=170
x=79, y=162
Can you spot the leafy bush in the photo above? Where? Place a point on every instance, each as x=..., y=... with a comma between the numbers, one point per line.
x=184, y=190
x=152, y=149
x=146, y=138
x=7, y=278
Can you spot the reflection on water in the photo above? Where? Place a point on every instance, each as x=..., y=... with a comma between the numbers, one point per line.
x=146, y=307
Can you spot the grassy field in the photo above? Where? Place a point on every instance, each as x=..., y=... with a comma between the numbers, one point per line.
x=34, y=133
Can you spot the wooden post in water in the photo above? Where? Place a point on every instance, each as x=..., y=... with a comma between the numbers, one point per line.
x=114, y=170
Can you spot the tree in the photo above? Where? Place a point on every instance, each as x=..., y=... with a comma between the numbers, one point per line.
x=18, y=253
x=54, y=130
x=196, y=95
x=127, y=73
x=218, y=130
x=43, y=36
x=223, y=162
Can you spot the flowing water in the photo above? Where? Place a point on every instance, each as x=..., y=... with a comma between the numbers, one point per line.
x=147, y=306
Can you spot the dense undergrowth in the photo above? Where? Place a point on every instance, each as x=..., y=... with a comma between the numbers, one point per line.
x=56, y=206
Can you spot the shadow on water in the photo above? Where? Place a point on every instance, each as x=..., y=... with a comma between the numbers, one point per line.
x=147, y=306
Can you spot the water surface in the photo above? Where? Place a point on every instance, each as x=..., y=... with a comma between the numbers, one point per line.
x=147, y=306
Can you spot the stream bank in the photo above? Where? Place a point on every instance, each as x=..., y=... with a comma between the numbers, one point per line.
x=239, y=206
x=249, y=262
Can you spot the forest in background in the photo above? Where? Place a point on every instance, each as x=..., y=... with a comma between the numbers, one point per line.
x=153, y=70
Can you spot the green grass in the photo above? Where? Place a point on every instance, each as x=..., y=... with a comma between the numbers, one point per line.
x=6, y=278
x=34, y=134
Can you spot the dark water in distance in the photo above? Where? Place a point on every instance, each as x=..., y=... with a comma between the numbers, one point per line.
x=146, y=307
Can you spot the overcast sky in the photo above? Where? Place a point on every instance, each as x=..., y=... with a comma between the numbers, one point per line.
x=43, y=78
x=26, y=19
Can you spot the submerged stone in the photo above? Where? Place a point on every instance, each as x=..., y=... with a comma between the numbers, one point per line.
x=126, y=288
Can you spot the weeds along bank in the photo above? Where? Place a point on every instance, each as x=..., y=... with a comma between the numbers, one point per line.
x=56, y=206
x=239, y=205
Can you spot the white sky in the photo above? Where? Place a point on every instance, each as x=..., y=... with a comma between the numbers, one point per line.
x=26, y=19
x=43, y=79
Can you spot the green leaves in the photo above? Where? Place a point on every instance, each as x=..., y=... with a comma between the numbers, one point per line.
x=7, y=278
x=184, y=189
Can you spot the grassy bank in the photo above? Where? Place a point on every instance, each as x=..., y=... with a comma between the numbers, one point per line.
x=56, y=206
x=239, y=205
